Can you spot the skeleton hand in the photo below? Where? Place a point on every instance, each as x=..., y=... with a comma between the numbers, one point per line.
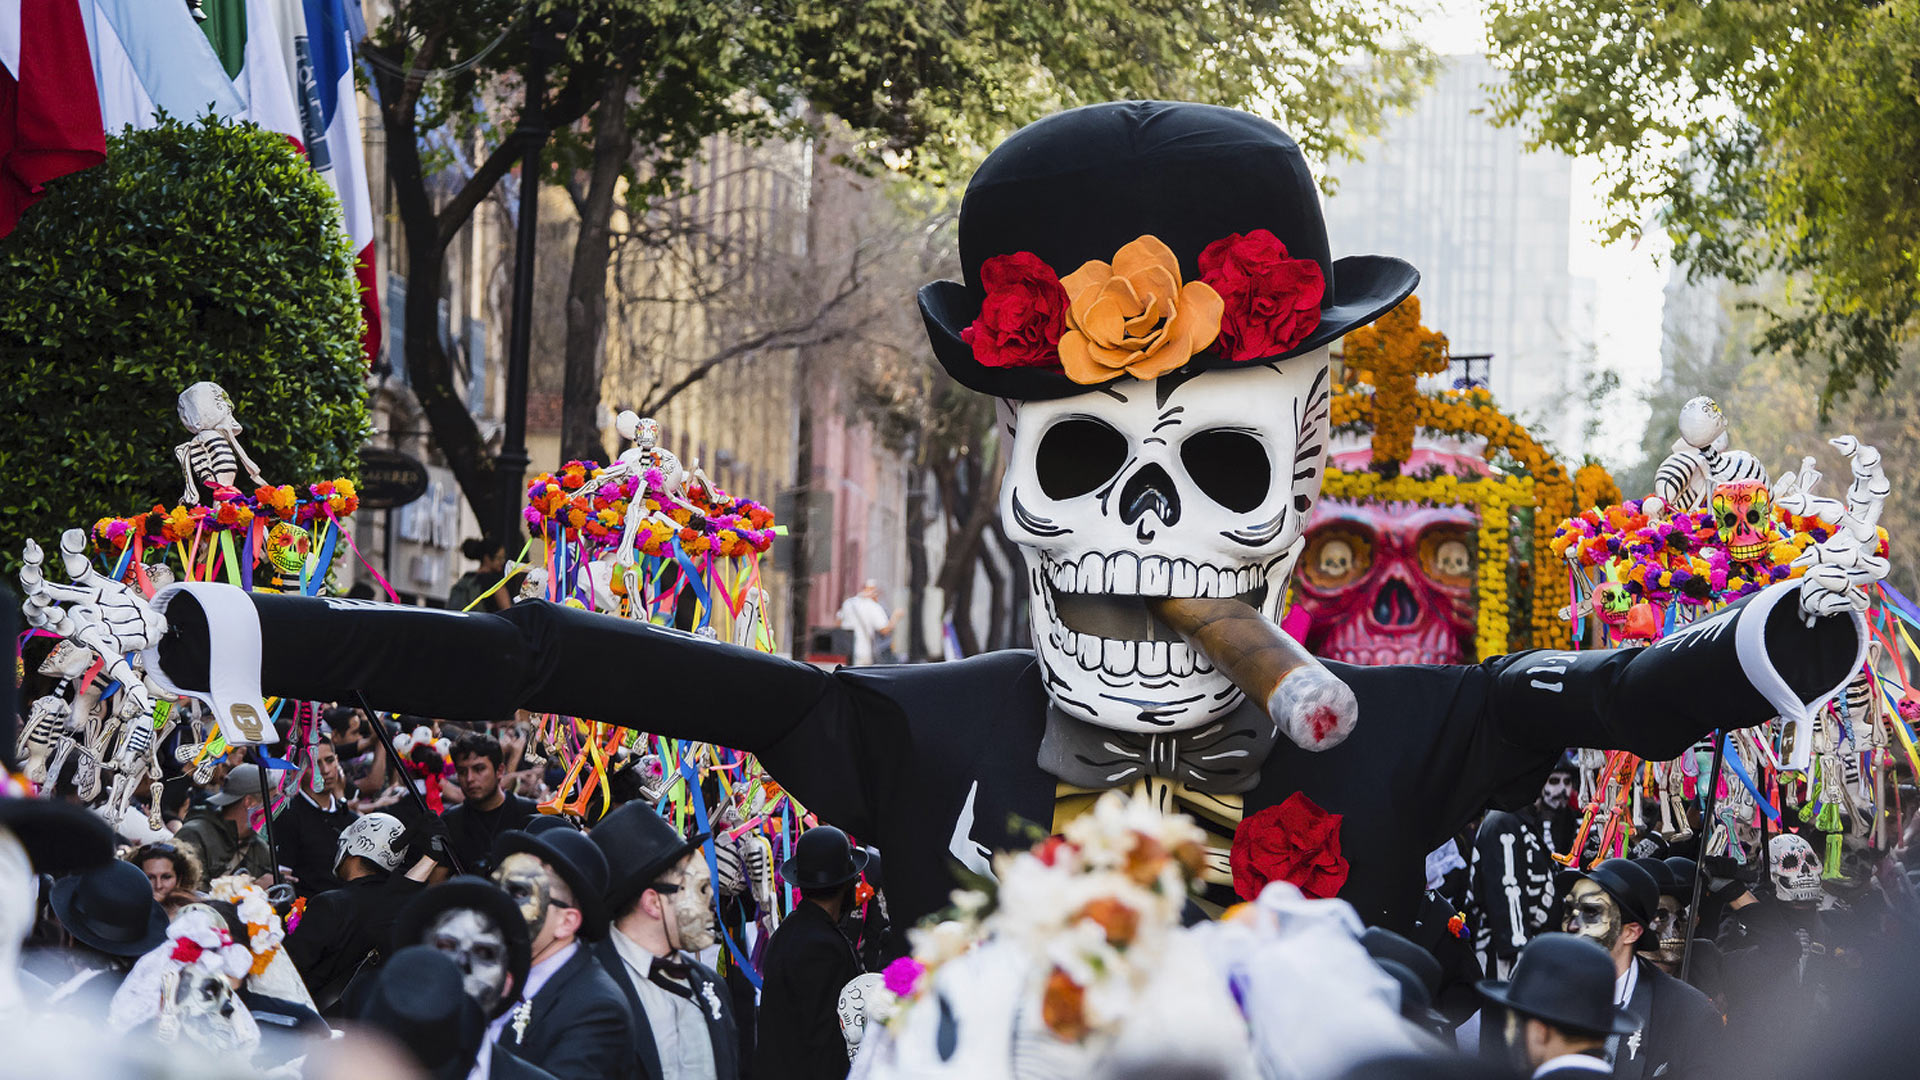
x=1840, y=569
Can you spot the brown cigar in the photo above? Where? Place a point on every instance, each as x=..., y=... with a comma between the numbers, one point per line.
x=1306, y=701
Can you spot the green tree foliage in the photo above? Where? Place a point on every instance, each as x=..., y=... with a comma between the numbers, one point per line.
x=197, y=251
x=1766, y=138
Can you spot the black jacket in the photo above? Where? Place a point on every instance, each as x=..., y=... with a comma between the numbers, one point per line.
x=578, y=1026
x=716, y=1006
x=471, y=833
x=808, y=962
x=343, y=929
x=1680, y=1033
x=307, y=839
x=893, y=755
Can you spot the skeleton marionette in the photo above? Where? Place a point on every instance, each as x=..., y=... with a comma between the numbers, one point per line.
x=1700, y=462
x=1150, y=293
x=213, y=457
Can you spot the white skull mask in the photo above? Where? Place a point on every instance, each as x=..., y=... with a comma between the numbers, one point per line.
x=1182, y=486
x=477, y=944
x=1795, y=868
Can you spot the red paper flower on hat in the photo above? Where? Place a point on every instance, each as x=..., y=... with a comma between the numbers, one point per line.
x=1272, y=301
x=186, y=950
x=1295, y=842
x=1023, y=316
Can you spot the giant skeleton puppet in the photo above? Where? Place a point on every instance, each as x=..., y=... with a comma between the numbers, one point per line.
x=1167, y=403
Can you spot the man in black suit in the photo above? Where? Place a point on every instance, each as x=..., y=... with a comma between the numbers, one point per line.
x=809, y=962
x=571, y=1021
x=1559, y=1008
x=662, y=902
x=1676, y=1032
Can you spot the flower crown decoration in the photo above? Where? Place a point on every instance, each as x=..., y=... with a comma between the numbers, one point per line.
x=196, y=940
x=1094, y=908
x=1134, y=316
x=230, y=511
x=595, y=513
x=265, y=932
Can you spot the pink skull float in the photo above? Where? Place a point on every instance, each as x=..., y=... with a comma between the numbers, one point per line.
x=1391, y=583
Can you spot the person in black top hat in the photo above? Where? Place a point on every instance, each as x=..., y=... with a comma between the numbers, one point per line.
x=661, y=897
x=419, y=1002
x=1614, y=905
x=474, y=923
x=808, y=962
x=572, y=1020
x=108, y=919
x=1559, y=1007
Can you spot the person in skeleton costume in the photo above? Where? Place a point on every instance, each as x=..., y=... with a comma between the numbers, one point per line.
x=1779, y=958
x=1168, y=416
x=1513, y=869
x=1614, y=905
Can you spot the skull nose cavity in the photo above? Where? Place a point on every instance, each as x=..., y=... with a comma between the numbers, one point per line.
x=1150, y=489
x=1395, y=605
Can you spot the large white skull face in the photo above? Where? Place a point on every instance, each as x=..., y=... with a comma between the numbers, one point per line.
x=1795, y=868
x=1182, y=486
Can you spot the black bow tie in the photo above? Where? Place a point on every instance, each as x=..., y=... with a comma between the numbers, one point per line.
x=1222, y=756
x=672, y=975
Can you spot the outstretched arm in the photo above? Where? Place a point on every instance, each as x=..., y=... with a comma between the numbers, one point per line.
x=1736, y=668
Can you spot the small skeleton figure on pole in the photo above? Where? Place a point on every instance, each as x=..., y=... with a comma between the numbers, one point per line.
x=213, y=456
x=1700, y=461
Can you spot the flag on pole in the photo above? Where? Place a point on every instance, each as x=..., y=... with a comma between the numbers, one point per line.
x=49, y=108
x=333, y=130
x=247, y=36
x=149, y=56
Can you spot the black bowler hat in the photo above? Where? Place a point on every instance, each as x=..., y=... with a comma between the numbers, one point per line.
x=639, y=845
x=1565, y=980
x=418, y=999
x=1384, y=944
x=111, y=908
x=1078, y=185
x=823, y=859
x=545, y=822
x=1684, y=870
x=476, y=894
x=1416, y=1001
x=1662, y=877
x=1631, y=887
x=577, y=861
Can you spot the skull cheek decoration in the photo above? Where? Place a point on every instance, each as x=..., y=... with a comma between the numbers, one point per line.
x=478, y=946
x=1592, y=913
x=1183, y=487
x=1390, y=585
x=1795, y=869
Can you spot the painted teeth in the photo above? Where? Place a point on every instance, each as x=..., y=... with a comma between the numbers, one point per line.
x=1150, y=659
x=1130, y=573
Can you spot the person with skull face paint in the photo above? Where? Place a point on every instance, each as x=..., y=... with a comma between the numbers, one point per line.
x=661, y=897
x=572, y=1020
x=1779, y=962
x=1513, y=869
x=1677, y=1030
x=1150, y=291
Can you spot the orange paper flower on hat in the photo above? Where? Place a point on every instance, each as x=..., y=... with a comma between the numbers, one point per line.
x=1134, y=316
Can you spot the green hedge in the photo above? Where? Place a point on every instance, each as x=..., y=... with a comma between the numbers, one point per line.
x=197, y=251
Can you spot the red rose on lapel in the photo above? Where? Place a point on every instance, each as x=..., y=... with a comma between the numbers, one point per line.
x=1024, y=314
x=1296, y=842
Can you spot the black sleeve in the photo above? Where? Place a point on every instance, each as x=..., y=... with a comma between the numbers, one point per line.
x=807, y=726
x=1658, y=700
x=597, y=1043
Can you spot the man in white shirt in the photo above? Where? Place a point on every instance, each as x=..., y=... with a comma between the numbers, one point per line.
x=872, y=627
x=1559, y=1008
x=661, y=899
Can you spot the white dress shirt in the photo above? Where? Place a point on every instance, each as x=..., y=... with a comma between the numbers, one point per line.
x=679, y=1030
x=1573, y=1061
x=1623, y=986
x=537, y=977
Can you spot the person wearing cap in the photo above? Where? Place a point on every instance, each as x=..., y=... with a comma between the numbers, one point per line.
x=1560, y=1012
x=221, y=832
x=808, y=962
x=108, y=919
x=1614, y=905
x=1513, y=869
x=661, y=897
x=572, y=1020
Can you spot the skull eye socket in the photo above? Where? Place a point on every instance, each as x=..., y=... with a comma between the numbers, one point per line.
x=1336, y=558
x=1230, y=465
x=1077, y=455
x=1447, y=556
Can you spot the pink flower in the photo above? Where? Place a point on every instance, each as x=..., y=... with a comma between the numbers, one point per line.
x=903, y=976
